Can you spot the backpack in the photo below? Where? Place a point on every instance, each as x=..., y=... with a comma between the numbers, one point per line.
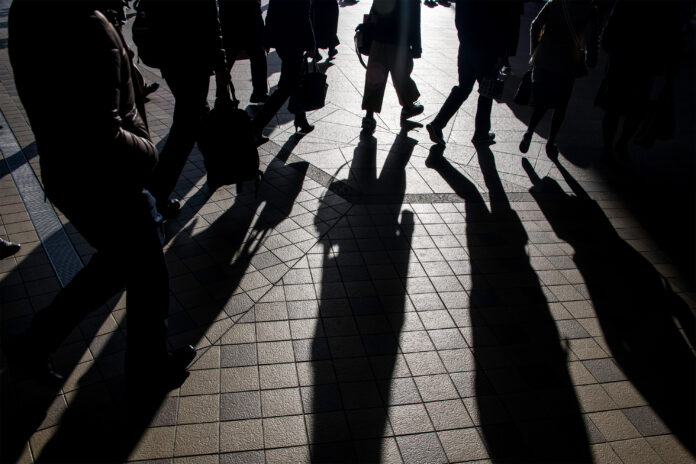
x=227, y=144
x=146, y=36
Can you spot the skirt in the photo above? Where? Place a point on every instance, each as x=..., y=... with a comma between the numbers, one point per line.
x=550, y=89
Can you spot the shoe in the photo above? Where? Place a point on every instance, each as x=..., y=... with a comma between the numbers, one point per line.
x=409, y=111
x=488, y=138
x=332, y=52
x=258, y=97
x=8, y=248
x=435, y=134
x=526, y=141
x=303, y=126
x=551, y=150
x=25, y=357
x=151, y=88
x=369, y=124
x=169, y=209
x=162, y=377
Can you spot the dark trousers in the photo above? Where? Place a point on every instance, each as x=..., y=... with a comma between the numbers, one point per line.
x=472, y=68
x=189, y=85
x=290, y=74
x=259, y=67
x=129, y=254
x=386, y=59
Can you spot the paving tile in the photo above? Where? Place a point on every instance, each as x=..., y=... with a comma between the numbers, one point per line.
x=240, y=405
x=248, y=457
x=156, y=443
x=614, y=425
x=281, y=402
x=193, y=439
x=462, y=445
x=241, y=435
x=285, y=455
x=646, y=421
x=670, y=449
x=275, y=352
x=636, y=451
x=424, y=447
x=284, y=431
x=238, y=379
x=436, y=387
x=278, y=376
x=198, y=409
x=411, y=418
x=449, y=414
x=238, y=355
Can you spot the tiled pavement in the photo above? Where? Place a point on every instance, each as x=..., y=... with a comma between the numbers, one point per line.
x=380, y=300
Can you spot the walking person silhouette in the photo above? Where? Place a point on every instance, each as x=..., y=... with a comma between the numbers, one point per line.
x=92, y=182
x=289, y=31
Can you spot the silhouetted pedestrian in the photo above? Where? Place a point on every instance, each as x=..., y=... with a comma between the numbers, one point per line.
x=289, y=31
x=242, y=31
x=95, y=155
x=325, y=22
x=646, y=33
x=482, y=47
x=564, y=43
x=191, y=31
x=396, y=42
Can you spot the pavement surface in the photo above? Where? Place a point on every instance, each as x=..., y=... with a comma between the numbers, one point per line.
x=381, y=299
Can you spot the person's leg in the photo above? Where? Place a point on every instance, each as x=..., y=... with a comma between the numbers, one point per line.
x=190, y=89
x=378, y=66
x=290, y=73
x=259, y=70
x=405, y=86
x=537, y=116
x=457, y=96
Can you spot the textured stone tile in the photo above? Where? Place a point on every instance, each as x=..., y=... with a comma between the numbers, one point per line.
x=193, y=439
x=242, y=435
x=424, y=447
x=284, y=431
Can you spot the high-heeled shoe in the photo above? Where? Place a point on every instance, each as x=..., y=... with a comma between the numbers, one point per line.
x=302, y=126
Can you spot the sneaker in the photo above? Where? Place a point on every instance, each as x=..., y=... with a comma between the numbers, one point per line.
x=409, y=111
x=369, y=124
x=488, y=138
x=435, y=134
x=8, y=248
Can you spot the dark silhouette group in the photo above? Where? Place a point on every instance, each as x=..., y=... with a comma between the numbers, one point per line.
x=100, y=167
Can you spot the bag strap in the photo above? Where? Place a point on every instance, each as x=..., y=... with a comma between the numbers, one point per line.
x=566, y=13
x=357, y=52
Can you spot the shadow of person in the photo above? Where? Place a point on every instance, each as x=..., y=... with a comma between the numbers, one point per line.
x=26, y=406
x=526, y=404
x=355, y=349
x=634, y=303
x=229, y=246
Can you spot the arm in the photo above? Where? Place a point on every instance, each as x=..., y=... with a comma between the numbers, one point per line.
x=537, y=27
x=415, y=29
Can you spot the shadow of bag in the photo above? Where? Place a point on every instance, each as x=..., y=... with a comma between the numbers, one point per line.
x=227, y=144
x=311, y=91
x=524, y=91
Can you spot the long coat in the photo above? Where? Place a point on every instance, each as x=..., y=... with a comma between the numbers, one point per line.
x=288, y=25
x=325, y=22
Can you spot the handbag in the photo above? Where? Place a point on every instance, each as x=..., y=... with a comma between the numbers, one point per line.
x=579, y=53
x=363, y=38
x=524, y=91
x=492, y=86
x=227, y=143
x=311, y=91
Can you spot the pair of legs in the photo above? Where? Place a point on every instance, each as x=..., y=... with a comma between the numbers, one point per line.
x=129, y=254
x=556, y=121
x=472, y=68
x=386, y=59
x=292, y=60
x=189, y=85
x=259, y=69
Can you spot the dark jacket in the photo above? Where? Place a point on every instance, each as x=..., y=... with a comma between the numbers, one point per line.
x=552, y=41
x=242, y=24
x=89, y=132
x=191, y=29
x=397, y=22
x=288, y=25
x=481, y=25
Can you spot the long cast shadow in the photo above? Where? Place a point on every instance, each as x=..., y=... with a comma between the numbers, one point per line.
x=356, y=344
x=527, y=408
x=230, y=243
x=635, y=304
